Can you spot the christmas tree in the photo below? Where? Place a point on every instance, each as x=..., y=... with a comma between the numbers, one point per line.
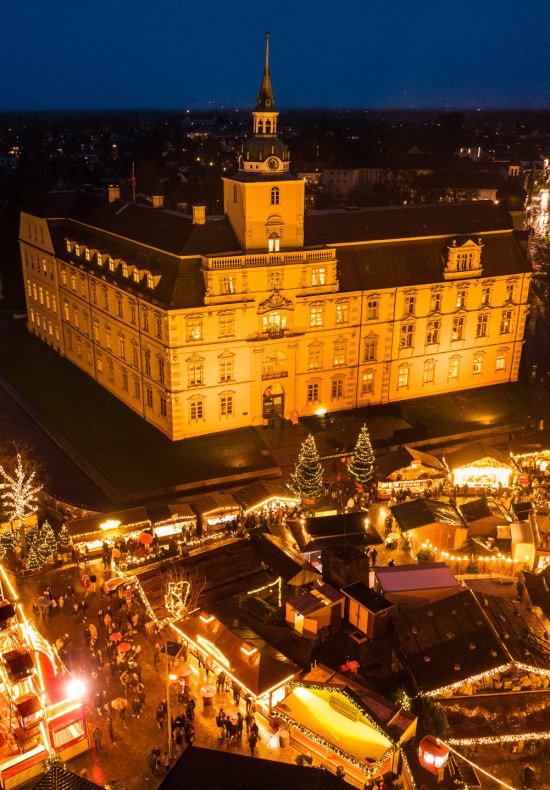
x=361, y=464
x=307, y=478
x=19, y=496
x=64, y=538
x=43, y=546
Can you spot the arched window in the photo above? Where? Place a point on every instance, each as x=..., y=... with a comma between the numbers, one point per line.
x=268, y=126
x=275, y=197
x=274, y=242
x=260, y=126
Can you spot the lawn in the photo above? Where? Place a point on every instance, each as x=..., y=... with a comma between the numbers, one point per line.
x=130, y=453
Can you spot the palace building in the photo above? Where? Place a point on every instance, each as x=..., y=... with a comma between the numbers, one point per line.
x=203, y=324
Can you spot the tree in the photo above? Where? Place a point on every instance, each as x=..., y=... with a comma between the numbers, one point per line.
x=307, y=478
x=64, y=538
x=361, y=465
x=20, y=495
x=43, y=546
x=183, y=591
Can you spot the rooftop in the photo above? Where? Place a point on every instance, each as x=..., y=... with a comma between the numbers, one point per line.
x=426, y=576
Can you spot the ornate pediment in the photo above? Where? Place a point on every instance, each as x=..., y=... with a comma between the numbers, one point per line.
x=276, y=301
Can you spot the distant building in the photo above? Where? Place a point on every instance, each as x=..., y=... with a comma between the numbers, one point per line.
x=202, y=324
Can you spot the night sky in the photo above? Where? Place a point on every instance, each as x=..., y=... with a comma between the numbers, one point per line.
x=173, y=54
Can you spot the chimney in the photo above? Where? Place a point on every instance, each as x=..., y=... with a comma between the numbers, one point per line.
x=114, y=193
x=199, y=215
x=158, y=201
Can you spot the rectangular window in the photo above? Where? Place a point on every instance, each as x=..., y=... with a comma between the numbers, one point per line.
x=159, y=326
x=501, y=360
x=429, y=372
x=478, y=364
x=227, y=284
x=506, y=322
x=403, y=377
x=510, y=291
x=313, y=392
x=337, y=389
x=162, y=369
x=147, y=361
x=195, y=374
x=410, y=302
x=121, y=346
x=149, y=397
x=78, y=347
x=196, y=410
x=135, y=356
x=133, y=313
x=371, y=349
x=73, y=282
x=372, y=309
x=226, y=405
x=458, y=328
x=406, y=337
x=274, y=281
x=485, y=295
x=453, y=368
x=367, y=383
x=105, y=299
x=124, y=380
x=194, y=329
x=433, y=330
x=163, y=407
x=339, y=356
x=108, y=339
x=316, y=316
x=137, y=389
x=227, y=325
x=461, y=297
x=145, y=321
x=226, y=370
x=119, y=312
x=314, y=361
x=54, y=304
x=318, y=276
x=435, y=302
x=93, y=292
x=482, y=328
x=99, y=365
x=342, y=313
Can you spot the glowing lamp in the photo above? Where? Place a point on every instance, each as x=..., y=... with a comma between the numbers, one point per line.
x=432, y=754
x=109, y=524
x=76, y=689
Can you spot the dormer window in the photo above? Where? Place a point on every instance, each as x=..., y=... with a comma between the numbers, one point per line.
x=111, y=264
x=99, y=259
x=125, y=270
x=87, y=253
x=135, y=275
x=463, y=259
x=77, y=249
x=150, y=281
x=68, y=245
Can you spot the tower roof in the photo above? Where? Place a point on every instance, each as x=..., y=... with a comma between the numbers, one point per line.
x=266, y=100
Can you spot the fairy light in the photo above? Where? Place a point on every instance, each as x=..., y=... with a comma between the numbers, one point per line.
x=20, y=494
x=511, y=738
x=477, y=767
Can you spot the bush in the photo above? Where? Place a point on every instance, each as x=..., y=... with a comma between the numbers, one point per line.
x=423, y=556
x=472, y=567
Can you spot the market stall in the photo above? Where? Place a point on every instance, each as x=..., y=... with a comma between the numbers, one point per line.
x=265, y=497
x=409, y=473
x=312, y=535
x=93, y=531
x=241, y=655
x=478, y=467
x=216, y=512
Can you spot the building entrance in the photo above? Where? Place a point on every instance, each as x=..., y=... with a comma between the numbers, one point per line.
x=274, y=403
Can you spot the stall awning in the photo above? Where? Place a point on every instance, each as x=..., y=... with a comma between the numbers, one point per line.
x=257, y=494
x=214, y=503
x=254, y=668
x=403, y=459
x=283, y=560
x=122, y=520
x=424, y=512
x=313, y=534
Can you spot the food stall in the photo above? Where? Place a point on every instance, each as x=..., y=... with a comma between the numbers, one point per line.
x=94, y=530
x=266, y=497
x=241, y=654
x=216, y=512
x=478, y=467
x=410, y=472
x=177, y=521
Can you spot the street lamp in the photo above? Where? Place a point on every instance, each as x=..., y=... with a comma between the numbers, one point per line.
x=169, y=679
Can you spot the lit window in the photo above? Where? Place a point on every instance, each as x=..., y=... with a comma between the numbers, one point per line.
x=342, y=313
x=195, y=374
x=410, y=302
x=196, y=410
x=226, y=370
x=274, y=324
x=124, y=269
x=194, y=329
x=433, y=330
x=429, y=371
x=99, y=259
x=77, y=249
x=461, y=297
x=316, y=316
x=367, y=382
x=313, y=392
x=315, y=354
x=478, y=364
x=227, y=284
x=372, y=309
x=150, y=280
x=99, y=364
x=453, y=367
x=406, y=337
x=275, y=196
x=457, y=332
x=54, y=304
x=506, y=322
x=111, y=264
x=68, y=245
x=227, y=326
x=501, y=360
x=63, y=276
x=274, y=243
x=482, y=328
x=65, y=309
x=339, y=355
x=226, y=405
x=318, y=276
x=403, y=377
x=337, y=389
x=86, y=253
x=435, y=302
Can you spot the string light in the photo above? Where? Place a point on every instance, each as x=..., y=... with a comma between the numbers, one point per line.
x=512, y=738
x=489, y=674
x=20, y=493
x=477, y=767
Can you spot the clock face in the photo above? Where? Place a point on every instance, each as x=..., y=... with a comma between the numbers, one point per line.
x=272, y=163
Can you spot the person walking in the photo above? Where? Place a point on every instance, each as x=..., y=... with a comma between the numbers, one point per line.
x=97, y=733
x=528, y=776
x=252, y=741
x=248, y=720
x=220, y=722
x=110, y=726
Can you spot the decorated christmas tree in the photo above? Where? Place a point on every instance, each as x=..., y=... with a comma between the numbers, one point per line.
x=19, y=496
x=361, y=464
x=307, y=478
x=43, y=546
x=64, y=538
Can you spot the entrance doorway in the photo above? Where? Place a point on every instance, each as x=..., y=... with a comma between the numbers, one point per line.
x=273, y=403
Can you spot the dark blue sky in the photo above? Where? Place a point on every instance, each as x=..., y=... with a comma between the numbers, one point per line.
x=59, y=54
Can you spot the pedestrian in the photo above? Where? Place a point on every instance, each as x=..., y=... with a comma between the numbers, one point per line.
x=220, y=722
x=136, y=708
x=156, y=654
x=340, y=772
x=93, y=582
x=248, y=720
x=528, y=776
x=166, y=762
x=240, y=725
x=252, y=740
x=160, y=716
x=255, y=730
x=373, y=556
x=97, y=733
x=110, y=726
x=236, y=693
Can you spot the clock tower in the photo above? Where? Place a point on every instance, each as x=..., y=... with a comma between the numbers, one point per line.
x=263, y=200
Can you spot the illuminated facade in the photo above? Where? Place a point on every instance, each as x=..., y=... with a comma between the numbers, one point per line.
x=203, y=324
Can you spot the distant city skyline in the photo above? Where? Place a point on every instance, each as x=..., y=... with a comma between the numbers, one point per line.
x=132, y=55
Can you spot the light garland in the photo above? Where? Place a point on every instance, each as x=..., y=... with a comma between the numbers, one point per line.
x=489, y=739
x=477, y=767
x=176, y=598
x=20, y=493
x=489, y=674
x=278, y=581
x=410, y=777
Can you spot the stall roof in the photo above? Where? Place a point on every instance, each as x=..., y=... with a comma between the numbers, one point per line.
x=283, y=560
x=477, y=509
x=367, y=597
x=315, y=599
x=212, y=502
x=538, y=587
x=423, y=512
x=521, y=510
x=228, y=570
x=468, y=634
x=259, y=672
x=59, y=778
x=536, y=443
x=318, y=532
x=403, y=457
x=198, y=767
x=253, y=495
x=86, y=526
x=160, y=513
x=474, y=452
x=522, y=532
x=426, y=576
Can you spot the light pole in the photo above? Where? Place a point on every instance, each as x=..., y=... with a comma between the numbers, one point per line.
x=169, y=679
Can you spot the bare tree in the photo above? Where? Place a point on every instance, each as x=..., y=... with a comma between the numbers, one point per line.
x=183, y=590
x=19, y=496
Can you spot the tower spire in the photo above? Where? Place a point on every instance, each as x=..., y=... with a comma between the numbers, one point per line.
x=266, y=100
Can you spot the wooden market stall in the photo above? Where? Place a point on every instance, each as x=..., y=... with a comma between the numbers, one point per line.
x=216, y=512
x=428, y=521
x=94, y=530
x=321, y=609
x=478, y=467
x=409, y=471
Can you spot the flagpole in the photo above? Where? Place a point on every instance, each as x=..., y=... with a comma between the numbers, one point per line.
x=133, y=179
